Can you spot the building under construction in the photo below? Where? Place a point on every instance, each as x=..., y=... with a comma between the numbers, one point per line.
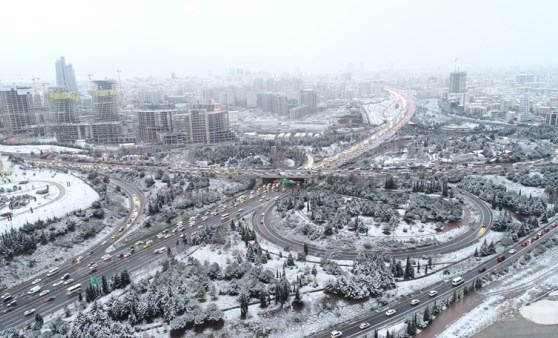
x=17, y=113
x=106, y=127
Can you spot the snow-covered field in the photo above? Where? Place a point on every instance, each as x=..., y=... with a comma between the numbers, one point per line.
x=66, y=194
x=517, y=187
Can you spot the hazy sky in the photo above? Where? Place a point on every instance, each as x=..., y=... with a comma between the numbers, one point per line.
x=156, y=37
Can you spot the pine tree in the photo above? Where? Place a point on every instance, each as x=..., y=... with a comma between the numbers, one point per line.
x=243, y=305
x=104, y=285
x=314, y=271
x=305, y=248
x=409, y=270
x=263, y=299
x=297, y=299
x=376, y=333
x=39, y=321
x=478, y=283
x=426, y=315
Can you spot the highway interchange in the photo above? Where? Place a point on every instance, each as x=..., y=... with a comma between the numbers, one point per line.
x=261, y=206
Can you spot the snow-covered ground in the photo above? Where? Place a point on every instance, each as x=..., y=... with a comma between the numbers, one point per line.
x=517, y=187
x=66, y=194
x=514, y=290
x=36, y=149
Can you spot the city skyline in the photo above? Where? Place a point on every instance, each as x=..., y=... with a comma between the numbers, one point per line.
x=194, y=39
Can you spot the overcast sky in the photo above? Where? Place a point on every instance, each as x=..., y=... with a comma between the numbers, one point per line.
x=156, y=37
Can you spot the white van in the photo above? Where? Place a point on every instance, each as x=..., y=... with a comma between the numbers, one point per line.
x=52, y=271
x=456, y=281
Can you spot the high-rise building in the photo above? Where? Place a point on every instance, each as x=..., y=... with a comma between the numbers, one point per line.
x=104, y=101
x=309, y=99
x=524, y=112
x=65, y=76
x=552, y=119
x=457, y=82
x=17, y=113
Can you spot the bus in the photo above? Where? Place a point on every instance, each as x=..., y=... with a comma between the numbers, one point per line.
x=52, y=272
x=72, y=290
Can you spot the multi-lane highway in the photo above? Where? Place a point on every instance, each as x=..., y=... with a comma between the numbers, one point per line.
x=80, y=272
x=444, y=289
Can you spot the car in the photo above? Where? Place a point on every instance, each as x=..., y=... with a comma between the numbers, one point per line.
x=106, y=257
x=6, y=310
x=127, y=254
x=524, y=244
x=415, y=302
x=66, y=276
x=104, y=242
x=512, y=251
x=93, y=266
x=91, y=252
x=90, y=264
x=535, y=238
x=36, y=281
x=13, y=303
x=500, y=259
x=390, y=312
x=335, y=334
x=138, y=243
x=113, y=237
x=167, y=236
x=79, y=259
x=6, y=296
x=121, y=255
x=28, y=312
x=546, y=230
x=364, y=325
x=553, y=225
x=93, y=270
x=432, y=293
x=44, y=293
x=55, y=284
x=483, y=225
x=68, y=281
x=50, y=299
x=481, y=270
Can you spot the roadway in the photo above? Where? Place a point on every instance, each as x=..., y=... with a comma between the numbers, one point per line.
x=80, y=272
x=445, y=289
x=265, y=229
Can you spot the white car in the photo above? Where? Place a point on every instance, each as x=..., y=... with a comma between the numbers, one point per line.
x=364, y=325
x=28, y=312
x=68, y=281
x=104, y=242
x=432, y=293
x=512, y=251
x=106, y=257
x=57, y=283
x=38, y=280
x=44, y=292
x=415, y=302
x=335, y=334
x=390, y=312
